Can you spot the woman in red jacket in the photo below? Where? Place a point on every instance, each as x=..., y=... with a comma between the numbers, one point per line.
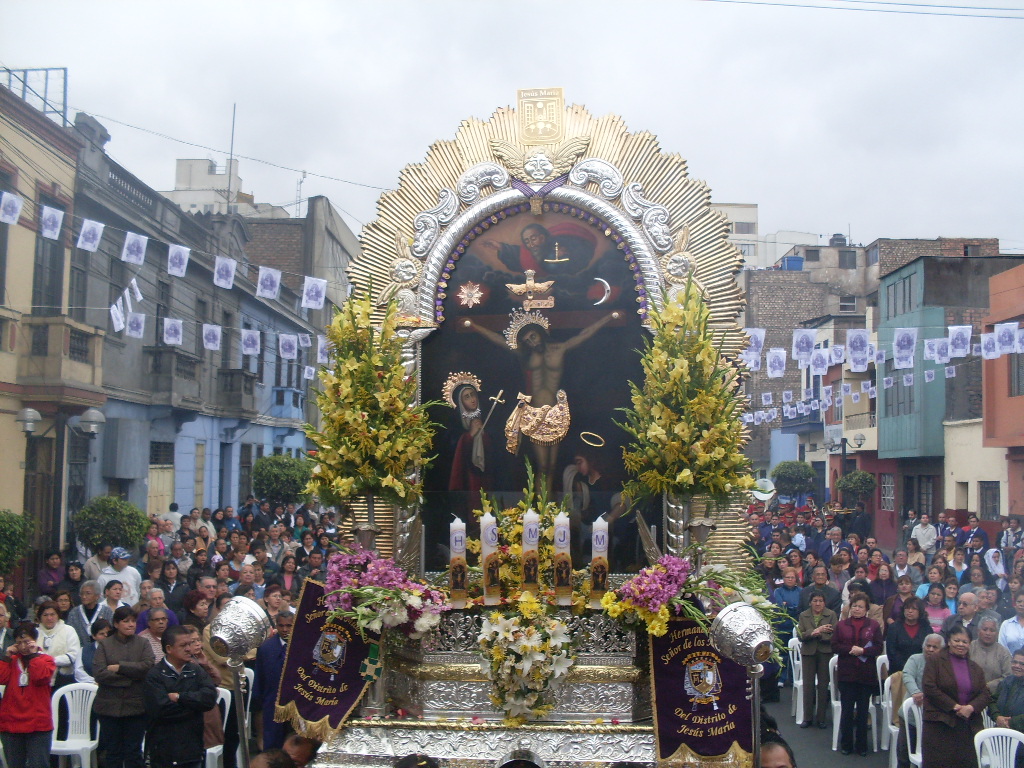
x=857, y=641
x=26, y=725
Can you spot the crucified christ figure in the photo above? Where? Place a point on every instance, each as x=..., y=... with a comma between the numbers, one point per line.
x=543, y=363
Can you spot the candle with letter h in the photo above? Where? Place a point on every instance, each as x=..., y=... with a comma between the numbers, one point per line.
x=563, y=561
x=489, y=559
x=531, y=542
x=457, y=565
x=599, y=562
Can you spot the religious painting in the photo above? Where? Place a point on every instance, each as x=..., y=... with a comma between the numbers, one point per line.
x=540, y=338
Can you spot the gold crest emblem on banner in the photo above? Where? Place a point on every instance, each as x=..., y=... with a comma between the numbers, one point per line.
x=541, y=112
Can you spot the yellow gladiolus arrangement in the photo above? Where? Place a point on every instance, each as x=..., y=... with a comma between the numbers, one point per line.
x=686, y=421
x=373, y=430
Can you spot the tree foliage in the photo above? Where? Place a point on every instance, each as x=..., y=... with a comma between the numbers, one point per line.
x=15, y=531
x=110, y=520
x=856, y=486
x=280, y=478
x=792, y=478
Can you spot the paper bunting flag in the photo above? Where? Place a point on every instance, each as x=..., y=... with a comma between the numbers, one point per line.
x=136, y=325
x=846, y=389
x=808, y=393
x=90, y=236
x=1006, y=337
x=748, y=418
x=211, y=337
x=1020, y=340
x=128, y=300
x=855, y=397
x=773, y=414
x=801, y=408
x=288, y=345
x=942, y=351
x=309, y=373
x=305, y=341
x=826, y=391
x=250, y=342
x=751, y=356
x=50, y=220
x=908, y=379
x=803, y=343
x=116, y=318
x=268, y=286
x=776, y=362
x=787, y=396
x=887, y=382
x=819, y=362
x=950, y=371
x=879, y=357
x=989, y=347
x=904, y=346
x=976, y=350
x=929, y=376
x=872, y=393
x=314, y=291
x=838, y=353
x=959, y=340
x=10, y=208
x=321, y=350
x=766, y=398
x=815, y=405
x=929, y=349
x=134, y=250
x=173, y=331
x=177, y=260
x=134, y=285
x=758, y=418
x=865, y=385
x=224, y=272
x=858, y=349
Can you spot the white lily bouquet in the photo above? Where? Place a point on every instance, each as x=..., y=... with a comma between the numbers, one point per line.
x=525, y=659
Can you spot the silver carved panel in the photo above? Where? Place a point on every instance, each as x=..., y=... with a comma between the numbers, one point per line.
x=483, y=747
x=606, y=175
x=428, y=224
x=653, y=217
x=472, y=182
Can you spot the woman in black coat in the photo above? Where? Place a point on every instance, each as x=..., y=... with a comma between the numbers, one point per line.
x=906, y=635
x=174, y=586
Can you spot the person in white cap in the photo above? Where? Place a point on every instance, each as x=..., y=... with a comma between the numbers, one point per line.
x=129, y=577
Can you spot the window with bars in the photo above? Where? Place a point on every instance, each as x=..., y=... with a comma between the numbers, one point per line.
x=40, y=340
x=847, y=303
x=887, y=485
x=163, y=307
x=812, y=254
x=988, y=499
x=925, y=495
x=78, y=346
x=161, y=454
x=1016, y=367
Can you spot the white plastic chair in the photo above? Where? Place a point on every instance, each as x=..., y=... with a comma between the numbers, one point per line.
x=997, y=747
x=215, y=754
x=890, y=732
x=797, y=674
x=913, y=715
x=882, y=670
x=837, y=708
x=986, y=719
x=79, y=742
x=250, y=679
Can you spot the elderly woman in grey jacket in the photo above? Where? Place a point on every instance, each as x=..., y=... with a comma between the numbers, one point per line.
x=814, y=630
x=120, y=667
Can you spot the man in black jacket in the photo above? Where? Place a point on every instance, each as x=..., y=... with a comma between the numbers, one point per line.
x=178, y=691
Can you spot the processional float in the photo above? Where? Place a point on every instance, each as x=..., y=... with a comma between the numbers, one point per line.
x=547, y=303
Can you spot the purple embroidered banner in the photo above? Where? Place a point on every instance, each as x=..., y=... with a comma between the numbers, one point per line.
x=698, y=696
x=322, y=681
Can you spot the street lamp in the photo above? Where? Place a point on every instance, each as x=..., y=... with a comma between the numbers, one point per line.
x=91, y=422
x=28, y=418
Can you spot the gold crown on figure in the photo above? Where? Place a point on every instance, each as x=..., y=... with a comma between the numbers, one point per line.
x=521, y=319
x=456, y=380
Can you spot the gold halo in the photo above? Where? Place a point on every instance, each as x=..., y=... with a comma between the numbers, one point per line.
x=456, y=380
x=583, y=437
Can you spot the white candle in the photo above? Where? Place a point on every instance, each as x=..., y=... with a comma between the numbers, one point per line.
x=457, y=561
x=489, y=558
x=598, y=562
x=563, y=561
x=531, y=544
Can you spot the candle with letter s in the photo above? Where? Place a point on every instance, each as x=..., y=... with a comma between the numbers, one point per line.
x=490, y=559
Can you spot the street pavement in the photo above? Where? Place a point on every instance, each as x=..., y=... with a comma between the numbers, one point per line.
x=813, y=746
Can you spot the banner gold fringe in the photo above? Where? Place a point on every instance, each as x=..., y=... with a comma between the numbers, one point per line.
x=321, y=730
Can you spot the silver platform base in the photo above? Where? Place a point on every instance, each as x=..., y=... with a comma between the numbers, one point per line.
x=455, y=745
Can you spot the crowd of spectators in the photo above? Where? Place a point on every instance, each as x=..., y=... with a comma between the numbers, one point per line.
x=945, y=606
x=137, y=625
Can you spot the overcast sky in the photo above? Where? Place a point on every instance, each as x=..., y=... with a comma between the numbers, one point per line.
x=883, y=124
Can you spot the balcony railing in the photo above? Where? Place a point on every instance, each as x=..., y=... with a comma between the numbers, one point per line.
x=860, y=421
x=59, y=350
